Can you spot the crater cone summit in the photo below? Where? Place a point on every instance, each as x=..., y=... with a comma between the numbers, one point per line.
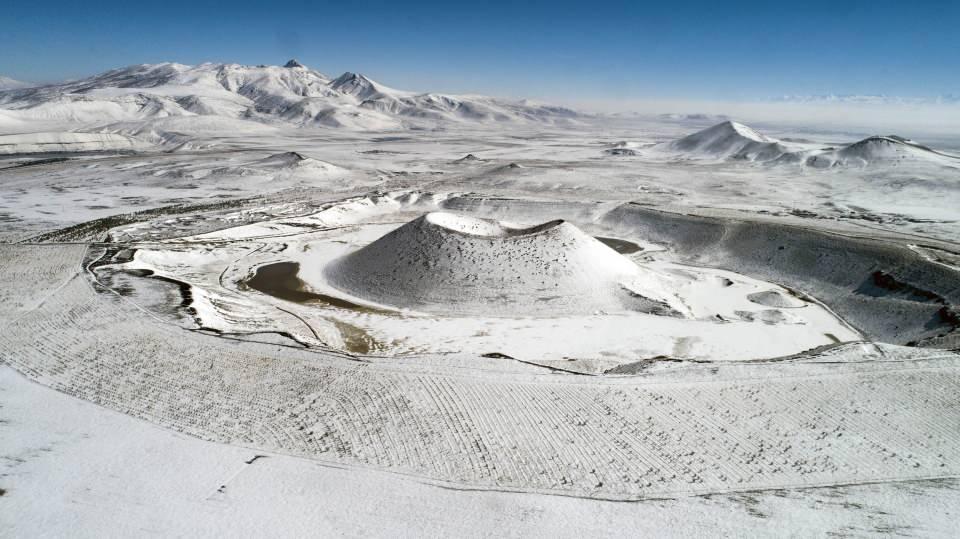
x=451, y=264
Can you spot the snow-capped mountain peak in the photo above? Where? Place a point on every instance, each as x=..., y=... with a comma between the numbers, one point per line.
x=361, y=87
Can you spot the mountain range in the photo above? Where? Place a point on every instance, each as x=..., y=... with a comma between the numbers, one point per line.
x=292, y=94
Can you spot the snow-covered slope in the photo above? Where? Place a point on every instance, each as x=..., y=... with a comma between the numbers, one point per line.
x=292, y=94
x=876, y=150
x=727, y=140
x=362, y=88
x=68, y=142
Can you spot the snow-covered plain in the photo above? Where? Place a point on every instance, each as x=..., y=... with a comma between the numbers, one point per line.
x=73, y=468
x=259, y=300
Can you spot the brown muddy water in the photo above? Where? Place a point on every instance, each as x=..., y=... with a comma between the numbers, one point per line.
x=280, y=281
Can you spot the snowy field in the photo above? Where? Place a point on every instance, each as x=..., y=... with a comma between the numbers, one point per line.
x=234, y=296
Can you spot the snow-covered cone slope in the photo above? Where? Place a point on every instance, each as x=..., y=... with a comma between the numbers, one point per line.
x=292, y=93
x=298, y=163
x=288, y=160
x=727, y=140
x=451, y=264
x=889, y=149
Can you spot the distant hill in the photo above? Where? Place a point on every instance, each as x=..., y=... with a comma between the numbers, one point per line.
x=735, y=141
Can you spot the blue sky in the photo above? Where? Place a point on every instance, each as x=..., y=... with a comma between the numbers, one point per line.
x=563, y=50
